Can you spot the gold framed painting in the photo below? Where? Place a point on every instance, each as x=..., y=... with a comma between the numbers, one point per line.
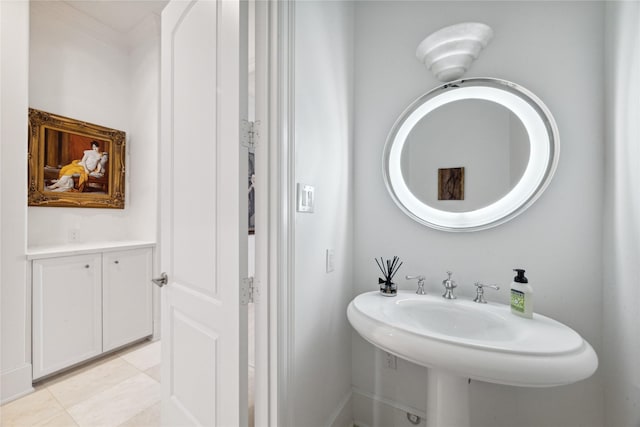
x=74, y=163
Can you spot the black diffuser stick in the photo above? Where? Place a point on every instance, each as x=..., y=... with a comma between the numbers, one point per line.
x=397, y=268
x=379, y=266
x=393, y=264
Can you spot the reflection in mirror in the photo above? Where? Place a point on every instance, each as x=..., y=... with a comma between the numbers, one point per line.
x=483, y=137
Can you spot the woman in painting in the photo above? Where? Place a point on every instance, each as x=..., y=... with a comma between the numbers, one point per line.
x=92, y=163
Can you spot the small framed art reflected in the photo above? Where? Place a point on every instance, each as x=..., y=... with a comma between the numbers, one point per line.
x=451, y=184
x=74, y=163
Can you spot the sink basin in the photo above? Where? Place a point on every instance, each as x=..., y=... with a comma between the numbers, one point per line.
x=470, y=340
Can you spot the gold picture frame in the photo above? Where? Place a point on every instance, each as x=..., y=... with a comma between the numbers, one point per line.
x=74, y=163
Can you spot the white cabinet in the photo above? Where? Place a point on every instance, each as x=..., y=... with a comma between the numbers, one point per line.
x=67, y=311
x=126, y=297
x=87, y=304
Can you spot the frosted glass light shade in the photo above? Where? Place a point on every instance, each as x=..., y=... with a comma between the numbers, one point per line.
x=449, y=52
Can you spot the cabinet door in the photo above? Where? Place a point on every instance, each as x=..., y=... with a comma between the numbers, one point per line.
x=67, y=311
x=127, y=297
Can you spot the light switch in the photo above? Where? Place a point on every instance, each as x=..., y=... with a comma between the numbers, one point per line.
x=331, y=260
x=305, y=198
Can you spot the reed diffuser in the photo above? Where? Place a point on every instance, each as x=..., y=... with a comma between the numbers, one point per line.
x=389, y=268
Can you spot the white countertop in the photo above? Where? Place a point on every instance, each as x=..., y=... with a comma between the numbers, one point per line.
x=38, y=252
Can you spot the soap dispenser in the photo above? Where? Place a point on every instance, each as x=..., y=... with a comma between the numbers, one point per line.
x=521, y=295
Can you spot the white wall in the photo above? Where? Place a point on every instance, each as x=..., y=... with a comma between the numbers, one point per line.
x=323, y=150
x=621, y=294
x=554, y=49
x=82, y=69
x=15, y=359
x=141, y=220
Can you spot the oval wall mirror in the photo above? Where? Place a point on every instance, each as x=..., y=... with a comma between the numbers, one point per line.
x=470, y=154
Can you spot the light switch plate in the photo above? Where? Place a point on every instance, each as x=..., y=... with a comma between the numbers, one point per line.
x=331, y=260
x=305, y=198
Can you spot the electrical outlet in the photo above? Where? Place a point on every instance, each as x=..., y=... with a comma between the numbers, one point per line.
x=74, y=235
x=331, y=260
x=391, y=361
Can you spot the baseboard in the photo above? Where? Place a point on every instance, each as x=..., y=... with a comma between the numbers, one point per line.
x=15, y=383
x=343, y=414
x=371, y=410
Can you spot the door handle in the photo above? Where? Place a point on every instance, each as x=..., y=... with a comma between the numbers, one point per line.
x=162, y=280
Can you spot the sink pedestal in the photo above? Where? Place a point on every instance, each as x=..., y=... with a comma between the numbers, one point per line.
x=447, y=399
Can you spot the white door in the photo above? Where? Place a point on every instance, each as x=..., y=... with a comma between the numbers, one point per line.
x=203, y=194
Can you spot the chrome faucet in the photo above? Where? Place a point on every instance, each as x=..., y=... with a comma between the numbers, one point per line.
x=421, y=280
x=480, y=292
x=449, y=286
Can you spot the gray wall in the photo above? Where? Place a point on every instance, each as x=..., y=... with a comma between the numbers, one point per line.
x=554, y=49
x=323, y=158
x=621, y=293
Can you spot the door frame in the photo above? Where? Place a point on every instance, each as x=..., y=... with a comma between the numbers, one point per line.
x=275, y=212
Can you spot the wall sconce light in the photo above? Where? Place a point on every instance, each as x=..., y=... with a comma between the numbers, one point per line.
x=449, y=52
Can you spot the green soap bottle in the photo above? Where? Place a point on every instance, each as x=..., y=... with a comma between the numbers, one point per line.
x=521, y=295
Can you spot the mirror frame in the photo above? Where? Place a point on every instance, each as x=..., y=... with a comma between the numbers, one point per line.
x=544, y=145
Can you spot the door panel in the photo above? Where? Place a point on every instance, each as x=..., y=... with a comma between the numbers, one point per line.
x=195, y=153
x=195, y=344
x=203, y=213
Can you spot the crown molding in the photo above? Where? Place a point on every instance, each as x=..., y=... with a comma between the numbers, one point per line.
x=61, y=11
x=146, y=31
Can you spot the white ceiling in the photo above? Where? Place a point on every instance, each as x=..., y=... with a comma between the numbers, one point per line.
x=121, y=15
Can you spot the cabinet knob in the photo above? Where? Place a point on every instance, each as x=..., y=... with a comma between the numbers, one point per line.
x=87, y=266
x=116, y=262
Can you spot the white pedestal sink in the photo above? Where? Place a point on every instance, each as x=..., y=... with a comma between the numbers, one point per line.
x=460, y=340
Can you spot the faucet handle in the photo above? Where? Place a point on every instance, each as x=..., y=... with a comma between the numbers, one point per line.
x=420, y=278
x=480, y=292
x=482, y=285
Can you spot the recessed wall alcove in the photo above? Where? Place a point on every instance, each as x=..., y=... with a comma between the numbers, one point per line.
x=107, y=74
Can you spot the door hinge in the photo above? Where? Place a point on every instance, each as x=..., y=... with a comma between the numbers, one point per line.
x=249, y=291
x=249, y=134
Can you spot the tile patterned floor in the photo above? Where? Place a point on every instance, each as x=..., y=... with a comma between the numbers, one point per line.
x=120, y=390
